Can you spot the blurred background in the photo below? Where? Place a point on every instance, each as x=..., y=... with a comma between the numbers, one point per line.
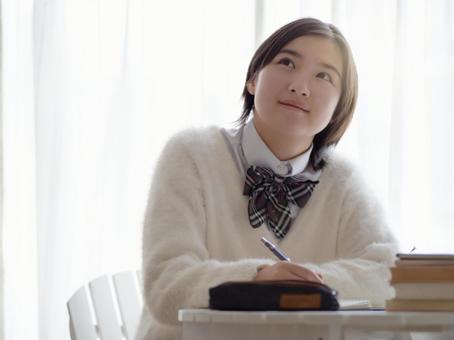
x=91, y=90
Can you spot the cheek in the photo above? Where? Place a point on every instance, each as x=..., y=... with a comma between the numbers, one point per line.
x=266, y=84
x=332, y=103
x=327, y=100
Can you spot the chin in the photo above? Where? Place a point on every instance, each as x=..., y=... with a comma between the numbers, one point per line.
x=294, y=132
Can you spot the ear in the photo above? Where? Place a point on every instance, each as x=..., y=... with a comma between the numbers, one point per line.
x=251, y=87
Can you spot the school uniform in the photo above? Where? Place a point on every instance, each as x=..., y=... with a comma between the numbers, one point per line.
x=198, y=233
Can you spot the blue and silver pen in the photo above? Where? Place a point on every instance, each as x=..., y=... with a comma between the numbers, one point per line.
x=275, y=250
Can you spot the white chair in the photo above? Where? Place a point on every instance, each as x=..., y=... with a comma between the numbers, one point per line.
x=108, y=308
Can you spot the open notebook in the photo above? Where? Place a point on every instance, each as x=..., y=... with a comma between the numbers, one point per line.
x=354, y=304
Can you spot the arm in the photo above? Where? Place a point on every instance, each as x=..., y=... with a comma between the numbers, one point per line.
x=365, y=248
x=177, y=267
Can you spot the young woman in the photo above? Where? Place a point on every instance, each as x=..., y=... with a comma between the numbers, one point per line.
x=216, y=192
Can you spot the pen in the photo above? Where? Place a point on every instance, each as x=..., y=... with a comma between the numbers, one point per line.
x=275, y=250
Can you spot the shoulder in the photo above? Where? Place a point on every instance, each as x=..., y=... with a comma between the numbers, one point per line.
x=343, y=175
x=192, y=137
x=193, y=141
x=191, y=149
x=338, y=166
x=182, y=157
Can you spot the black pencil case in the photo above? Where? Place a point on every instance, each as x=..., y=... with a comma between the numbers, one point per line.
x=273, y=295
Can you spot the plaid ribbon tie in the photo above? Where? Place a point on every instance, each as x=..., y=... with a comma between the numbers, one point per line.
x=270, y=196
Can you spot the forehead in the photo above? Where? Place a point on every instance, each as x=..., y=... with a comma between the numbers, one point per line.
x=317, y=49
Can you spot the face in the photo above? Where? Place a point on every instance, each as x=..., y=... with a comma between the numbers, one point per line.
x=296, y=94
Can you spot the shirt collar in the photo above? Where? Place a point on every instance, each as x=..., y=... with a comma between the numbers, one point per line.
x=257, y=153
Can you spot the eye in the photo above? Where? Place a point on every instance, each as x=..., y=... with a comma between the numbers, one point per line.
x=325, y=76
x=287, y=62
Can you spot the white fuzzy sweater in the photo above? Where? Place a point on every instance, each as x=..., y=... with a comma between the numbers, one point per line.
x=197, y=232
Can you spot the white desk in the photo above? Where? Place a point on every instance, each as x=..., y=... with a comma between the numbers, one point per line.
x=200, y=324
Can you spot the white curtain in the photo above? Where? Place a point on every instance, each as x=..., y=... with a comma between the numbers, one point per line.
x=92, y=89
x=20, y=236
x=112, y=80
x=1, y=194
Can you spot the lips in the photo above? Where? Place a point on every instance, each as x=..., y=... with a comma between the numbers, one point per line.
x=293, y=104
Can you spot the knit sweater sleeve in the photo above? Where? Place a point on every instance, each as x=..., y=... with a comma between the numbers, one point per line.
x=365, y=247
x=177, y=267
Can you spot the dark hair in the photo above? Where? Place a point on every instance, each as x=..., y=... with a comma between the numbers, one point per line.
x=343, y=113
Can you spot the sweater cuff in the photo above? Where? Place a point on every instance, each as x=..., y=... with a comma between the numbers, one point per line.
x=246, y=270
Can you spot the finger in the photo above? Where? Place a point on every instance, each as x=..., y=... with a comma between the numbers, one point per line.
x=311, y=277
x=306, y=274
x=261, y=267
x=291, y=276
x=281, y=276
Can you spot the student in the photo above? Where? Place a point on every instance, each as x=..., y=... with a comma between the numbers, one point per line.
x=216, y=192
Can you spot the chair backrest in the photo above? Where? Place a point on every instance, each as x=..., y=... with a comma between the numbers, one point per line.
x=108, y=308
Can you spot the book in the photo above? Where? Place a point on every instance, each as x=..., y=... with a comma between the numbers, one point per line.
x=417, y=262
x=422, y=274
x=420, y=305
x=427, y=256
x=422, y=282
x=424, y=291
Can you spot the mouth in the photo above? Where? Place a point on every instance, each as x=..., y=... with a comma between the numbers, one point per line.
x=293, y=105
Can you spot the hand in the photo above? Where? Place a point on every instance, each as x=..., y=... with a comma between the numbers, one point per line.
x=284, y=270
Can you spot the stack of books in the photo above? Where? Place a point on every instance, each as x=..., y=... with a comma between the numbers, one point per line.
x=423, y=282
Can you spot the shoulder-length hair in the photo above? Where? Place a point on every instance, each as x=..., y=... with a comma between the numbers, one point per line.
x=343, y=112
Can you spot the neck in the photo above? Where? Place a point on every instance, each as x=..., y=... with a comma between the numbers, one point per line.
x=284, y=147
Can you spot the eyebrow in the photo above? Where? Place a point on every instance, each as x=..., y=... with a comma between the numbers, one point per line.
x=298, y=55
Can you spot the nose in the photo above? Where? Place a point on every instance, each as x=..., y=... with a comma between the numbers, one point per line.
x=300, y=88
